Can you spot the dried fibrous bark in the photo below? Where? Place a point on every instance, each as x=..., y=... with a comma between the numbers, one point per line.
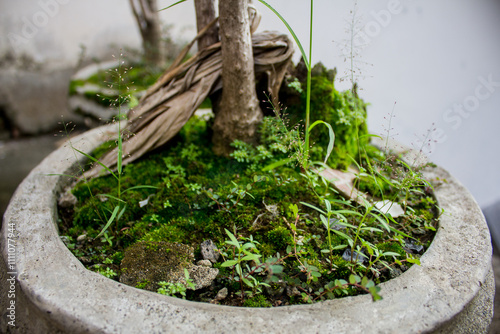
x=173, y=99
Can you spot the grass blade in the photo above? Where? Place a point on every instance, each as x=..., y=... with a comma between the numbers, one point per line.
x=178, y=2
x=306, y=60
x=110, y=220
x=96, y=161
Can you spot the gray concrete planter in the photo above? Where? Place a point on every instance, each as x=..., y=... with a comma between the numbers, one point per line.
x=451, y=292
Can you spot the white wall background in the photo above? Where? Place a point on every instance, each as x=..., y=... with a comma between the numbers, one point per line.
x=438, y=60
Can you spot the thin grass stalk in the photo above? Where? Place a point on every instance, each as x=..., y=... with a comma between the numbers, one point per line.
x=308, y=91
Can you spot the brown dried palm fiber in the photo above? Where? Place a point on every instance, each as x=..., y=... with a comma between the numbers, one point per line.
x=173, y=99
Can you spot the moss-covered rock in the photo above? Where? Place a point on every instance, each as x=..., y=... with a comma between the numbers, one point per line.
x=344, y=111
x=155, y=262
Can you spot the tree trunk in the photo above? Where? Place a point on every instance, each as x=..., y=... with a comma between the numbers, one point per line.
x=239, y=112
x=146, y=15
x=205, y=13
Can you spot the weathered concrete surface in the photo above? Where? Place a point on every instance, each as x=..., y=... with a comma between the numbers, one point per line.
x=452, y=291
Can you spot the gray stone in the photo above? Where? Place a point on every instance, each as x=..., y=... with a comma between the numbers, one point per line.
x=67, y=200
x=389, y=207
x=222, y=294
x=208, y=251
x=292, y=291
x=93, y=112
x=412, y=247
x=450, y=292
x=335, y=224
x=354, y=256
x=201, y=276
x=204, y=263
x=81, y=238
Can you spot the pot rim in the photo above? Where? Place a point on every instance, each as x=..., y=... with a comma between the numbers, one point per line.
x=451, y=273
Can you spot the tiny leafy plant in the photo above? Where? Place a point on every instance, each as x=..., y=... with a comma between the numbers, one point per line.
x=173, y=289
x=244, y=259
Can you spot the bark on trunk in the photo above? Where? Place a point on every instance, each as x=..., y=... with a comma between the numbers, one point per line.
x=146, y=15
x=205, y=13
x=239, y=112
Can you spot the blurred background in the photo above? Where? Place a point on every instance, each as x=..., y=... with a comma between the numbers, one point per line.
x=429, y=69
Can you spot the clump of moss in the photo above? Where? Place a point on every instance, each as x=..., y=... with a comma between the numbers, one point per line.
x=392, y=246
x=280, y=237
x=373, y=185
x=344, y=111
x=153, y=262
x=257, y=301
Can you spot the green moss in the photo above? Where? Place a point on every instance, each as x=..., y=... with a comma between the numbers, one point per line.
x=345, y=112
x=257, y=301
x=198, y=195
x=280, y=237
x=341, y=269
x=170, y=232
x=143, y=284
x=392, y=246
x=374, y=185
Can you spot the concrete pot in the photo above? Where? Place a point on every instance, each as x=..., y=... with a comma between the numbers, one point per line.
x=451, y=292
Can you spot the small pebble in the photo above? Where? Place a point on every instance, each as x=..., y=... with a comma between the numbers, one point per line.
x=357, y=256
x=81, y=238
x=222, y=294
x=204, y=263
x=292, y=291
x=412, y=247
x=208, y=251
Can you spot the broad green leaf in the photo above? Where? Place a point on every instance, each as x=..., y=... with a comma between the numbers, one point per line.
x=314, y=207
x=238, y=269
x=390, y=254
x=364, y=281
x=277, y=164
x=328, y=205
x=331, y=135
x=229, y=263
x=251, y=257
x=232, y=237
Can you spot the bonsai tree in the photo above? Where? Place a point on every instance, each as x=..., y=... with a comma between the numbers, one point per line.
x=169, y=103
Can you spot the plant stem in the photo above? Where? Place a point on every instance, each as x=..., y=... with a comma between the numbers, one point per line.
x=358, y=230
x=308, y=92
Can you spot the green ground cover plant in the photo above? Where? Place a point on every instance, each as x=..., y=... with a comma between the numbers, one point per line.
x=285, y=234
